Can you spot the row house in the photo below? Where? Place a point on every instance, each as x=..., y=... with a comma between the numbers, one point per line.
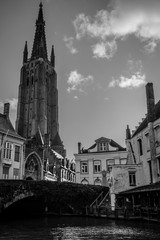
x=11, y=149
x=106, y=163
x=144, y=144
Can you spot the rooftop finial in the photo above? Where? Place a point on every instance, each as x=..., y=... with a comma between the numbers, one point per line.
x=41, y=5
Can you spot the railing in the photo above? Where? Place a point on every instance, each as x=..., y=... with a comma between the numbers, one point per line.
x=105, y=197
x=100, y=196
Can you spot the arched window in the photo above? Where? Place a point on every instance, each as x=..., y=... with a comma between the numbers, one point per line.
x=33, y=167
x=84, y=181
x=97, y=182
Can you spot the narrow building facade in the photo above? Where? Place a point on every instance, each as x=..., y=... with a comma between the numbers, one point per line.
x=11, y=149
x=144, y=143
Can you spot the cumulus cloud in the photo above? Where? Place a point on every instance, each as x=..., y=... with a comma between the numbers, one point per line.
x=77, y=81
x=134, y=81
x=13, y=103
x=126, y=17
x=150, y=47
x=69, y=44
x=104, y=49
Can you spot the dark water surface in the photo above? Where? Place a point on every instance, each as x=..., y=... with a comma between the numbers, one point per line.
x=74, y=228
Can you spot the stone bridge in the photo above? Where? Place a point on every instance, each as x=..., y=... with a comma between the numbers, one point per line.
x=22, y=197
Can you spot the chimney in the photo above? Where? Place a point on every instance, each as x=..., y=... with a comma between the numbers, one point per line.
x=150, y=102
x=128, y=133
x=79, y=147
x=6, y=109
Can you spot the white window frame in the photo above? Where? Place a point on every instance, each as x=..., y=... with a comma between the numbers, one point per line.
x=19, y=153
x=84, y=167
x=97, y=166
x=102, y=146
x=7, y=151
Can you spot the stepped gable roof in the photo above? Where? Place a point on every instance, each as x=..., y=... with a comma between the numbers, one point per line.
x=6, y=126
x=145, y=188
x=144, y=124
x=57, y=140
x=59, y=156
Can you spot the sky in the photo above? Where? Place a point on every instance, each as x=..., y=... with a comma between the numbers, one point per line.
x=105, y=52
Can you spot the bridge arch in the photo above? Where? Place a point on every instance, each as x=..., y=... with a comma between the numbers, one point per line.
x=33, y=167
x=23, y=205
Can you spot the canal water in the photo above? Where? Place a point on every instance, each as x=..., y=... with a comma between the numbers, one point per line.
x=77, y=228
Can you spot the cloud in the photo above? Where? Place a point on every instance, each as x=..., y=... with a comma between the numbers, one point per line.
x=125, y=17
x=13, y=103
x=69, y=44
x=135, y=81
x=104, y=49
x=150, y=47
x=76, y=81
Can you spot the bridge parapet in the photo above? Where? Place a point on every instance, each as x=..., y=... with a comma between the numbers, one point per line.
x=52, y=197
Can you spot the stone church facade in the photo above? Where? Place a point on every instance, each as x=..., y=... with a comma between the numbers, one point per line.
x=37, y=113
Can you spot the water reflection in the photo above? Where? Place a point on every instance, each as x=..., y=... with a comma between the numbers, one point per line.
x=71, y=228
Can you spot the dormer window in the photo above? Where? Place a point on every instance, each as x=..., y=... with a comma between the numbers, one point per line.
x=103, y=146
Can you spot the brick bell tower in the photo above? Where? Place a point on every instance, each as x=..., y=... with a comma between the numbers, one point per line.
x=37, y=112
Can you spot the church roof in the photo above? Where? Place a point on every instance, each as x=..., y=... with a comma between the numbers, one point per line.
x=7, y=127
x=57, y=140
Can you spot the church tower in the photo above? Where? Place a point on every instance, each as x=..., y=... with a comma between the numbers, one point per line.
x=37, y=112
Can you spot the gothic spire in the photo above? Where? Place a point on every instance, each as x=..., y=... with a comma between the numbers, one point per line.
x=40, y=38
x=25, y=53
x=40, y=15
x=52, y=57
